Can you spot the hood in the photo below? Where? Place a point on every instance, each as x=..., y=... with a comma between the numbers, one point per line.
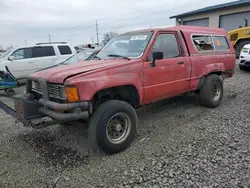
x=48, y=67
x=59, y=73
x=247, y=46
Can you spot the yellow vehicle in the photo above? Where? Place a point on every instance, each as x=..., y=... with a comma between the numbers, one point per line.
x=239, y=38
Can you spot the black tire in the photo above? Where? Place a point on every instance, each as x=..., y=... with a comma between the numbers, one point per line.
x=241, y=67
x=207, y=94
x=240, y=46
x=10, y=92
x=98, y=133
x=65, y=124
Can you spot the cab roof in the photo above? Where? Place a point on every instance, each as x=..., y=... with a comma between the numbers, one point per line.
x=191, y=29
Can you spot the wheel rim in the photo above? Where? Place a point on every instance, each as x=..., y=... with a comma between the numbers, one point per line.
x=118, y=128
x=216, y=91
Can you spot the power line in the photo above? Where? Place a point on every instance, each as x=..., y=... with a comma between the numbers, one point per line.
x=136, y=15
x=103, y=20
x=108, y=19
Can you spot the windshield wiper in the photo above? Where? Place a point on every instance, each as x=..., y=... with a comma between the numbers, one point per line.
x=116, y=55
x=95, y=57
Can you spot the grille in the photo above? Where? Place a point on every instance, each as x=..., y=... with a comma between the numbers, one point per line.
x=53, y=89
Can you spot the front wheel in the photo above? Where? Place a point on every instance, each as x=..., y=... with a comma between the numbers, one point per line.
x=112, y=127
x=211, y=93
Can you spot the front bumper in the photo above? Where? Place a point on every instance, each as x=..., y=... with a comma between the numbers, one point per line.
x=64, y=112
x=57, y=111
x=245, y=60
x=33, y=113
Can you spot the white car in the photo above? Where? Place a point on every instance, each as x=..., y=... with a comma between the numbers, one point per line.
x=23, y=61
x=245, y=57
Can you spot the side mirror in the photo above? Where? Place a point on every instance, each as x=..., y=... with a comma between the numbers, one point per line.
x=156, y=56
x=11, y=58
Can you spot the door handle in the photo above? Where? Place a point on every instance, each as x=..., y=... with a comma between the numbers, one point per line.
x=181, y=63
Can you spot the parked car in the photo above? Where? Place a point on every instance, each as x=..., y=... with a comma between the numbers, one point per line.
x=76, y=58
x=135, y=69
x=245, y=58
x=23, y=61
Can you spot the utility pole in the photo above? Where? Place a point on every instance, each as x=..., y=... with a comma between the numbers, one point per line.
x=97, y=32
x=25, y=42
x=49, y=39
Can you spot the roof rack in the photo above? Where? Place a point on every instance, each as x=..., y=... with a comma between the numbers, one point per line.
x=51, y=43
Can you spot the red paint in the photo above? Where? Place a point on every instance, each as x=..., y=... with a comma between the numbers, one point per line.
x=167, y=79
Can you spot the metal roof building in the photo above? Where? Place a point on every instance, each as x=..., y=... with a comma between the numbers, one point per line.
x=228, y=16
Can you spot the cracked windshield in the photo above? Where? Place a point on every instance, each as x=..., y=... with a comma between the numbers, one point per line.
x=124, y=94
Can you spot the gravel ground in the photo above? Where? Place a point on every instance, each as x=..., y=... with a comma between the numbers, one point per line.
x=179, y=144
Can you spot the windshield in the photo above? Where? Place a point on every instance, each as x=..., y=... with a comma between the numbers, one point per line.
x=6, y=53
x=81, y=56
x=130, y=45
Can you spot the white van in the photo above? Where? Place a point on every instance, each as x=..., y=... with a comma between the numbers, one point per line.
x=23, y=61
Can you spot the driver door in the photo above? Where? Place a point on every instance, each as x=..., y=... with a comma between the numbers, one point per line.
x=171, y=75
x=21, y=64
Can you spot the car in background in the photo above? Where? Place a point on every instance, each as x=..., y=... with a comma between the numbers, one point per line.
x=25, y=60
x=245, y=58
x=85, y=55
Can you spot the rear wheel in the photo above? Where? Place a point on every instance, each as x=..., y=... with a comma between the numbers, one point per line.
x=211, y=93
x=112, y=127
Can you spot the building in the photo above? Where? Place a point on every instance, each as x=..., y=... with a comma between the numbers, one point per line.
x=228, y=16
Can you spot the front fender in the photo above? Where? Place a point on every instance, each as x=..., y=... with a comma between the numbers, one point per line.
x=88, y=87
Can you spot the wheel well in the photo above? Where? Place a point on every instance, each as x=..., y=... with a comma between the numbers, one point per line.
x=202, y=80
x=127, y=93
x=241, y=40
x=219, y=73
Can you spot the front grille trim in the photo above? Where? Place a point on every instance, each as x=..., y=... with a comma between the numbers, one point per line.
x=53, y=89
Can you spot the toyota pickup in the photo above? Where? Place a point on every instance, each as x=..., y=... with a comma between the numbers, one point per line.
x=134, y=69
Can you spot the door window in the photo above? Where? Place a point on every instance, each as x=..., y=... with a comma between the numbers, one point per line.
x=167, y=44
x=43, y=51
x=23, y=53
x=64, y=50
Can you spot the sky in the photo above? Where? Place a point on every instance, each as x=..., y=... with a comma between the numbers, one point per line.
x=74, y=21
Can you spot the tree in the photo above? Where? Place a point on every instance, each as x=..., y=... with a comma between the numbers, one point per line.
x=108, y=36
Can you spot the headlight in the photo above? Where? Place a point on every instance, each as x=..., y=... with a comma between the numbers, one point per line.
x=33, y=86
x=72, y=93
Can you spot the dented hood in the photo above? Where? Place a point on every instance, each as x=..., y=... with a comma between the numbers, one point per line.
x=61, y=72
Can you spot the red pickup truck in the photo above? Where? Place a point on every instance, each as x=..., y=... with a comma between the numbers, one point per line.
x=133, y=69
